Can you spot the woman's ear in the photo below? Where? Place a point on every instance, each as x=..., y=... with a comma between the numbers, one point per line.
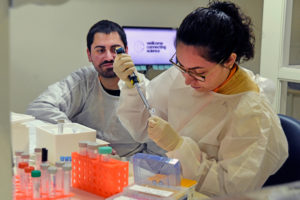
x=230, y=61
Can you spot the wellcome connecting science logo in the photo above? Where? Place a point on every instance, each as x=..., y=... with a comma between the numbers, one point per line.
x=149, y=47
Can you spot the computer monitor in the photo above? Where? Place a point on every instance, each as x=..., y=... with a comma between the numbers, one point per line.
x=150, y=45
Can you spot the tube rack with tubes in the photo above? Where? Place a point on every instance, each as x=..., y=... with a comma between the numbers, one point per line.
x=28, y=192
x=101, y=178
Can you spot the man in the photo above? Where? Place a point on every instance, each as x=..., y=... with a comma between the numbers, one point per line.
x=90, y=95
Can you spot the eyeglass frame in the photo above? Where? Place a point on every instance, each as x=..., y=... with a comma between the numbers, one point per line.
x=195, y=75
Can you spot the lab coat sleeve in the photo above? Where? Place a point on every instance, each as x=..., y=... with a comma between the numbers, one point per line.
x=131, y=110
x=252, y=147
x=61, y=100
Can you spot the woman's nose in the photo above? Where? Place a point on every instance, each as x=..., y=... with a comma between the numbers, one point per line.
x=188, y=79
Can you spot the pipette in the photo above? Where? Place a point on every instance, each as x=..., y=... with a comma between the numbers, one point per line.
x=135, y=82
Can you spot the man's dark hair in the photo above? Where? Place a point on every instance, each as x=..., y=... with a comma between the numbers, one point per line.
x=105, y=26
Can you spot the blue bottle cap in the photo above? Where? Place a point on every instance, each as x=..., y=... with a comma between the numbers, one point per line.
x=62, y=158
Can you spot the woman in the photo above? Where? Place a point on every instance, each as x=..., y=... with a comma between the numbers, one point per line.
x=209, y=112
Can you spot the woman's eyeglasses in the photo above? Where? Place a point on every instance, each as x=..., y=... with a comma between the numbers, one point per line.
x=192, y=73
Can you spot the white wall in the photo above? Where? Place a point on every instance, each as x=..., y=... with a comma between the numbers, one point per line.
x=48, y=41
x=5, y=142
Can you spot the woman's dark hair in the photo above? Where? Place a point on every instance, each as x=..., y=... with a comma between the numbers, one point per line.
x=105, y=26
x=220, y=29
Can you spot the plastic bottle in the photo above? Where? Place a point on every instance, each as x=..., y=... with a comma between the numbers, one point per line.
x=44, y=178
x=83, y=148
x=38, y=158
x=105, y=153
x=52, y=181
x=36, y=183
x=92, y=149
x=59, y=175
x=67, y=178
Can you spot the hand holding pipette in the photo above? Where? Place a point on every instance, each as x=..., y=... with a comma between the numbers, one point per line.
x=127, y=72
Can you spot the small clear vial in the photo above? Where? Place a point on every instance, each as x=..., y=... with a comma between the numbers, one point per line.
x=92, y=149
x=44, y=178
x=60, y=126
x=83, y=147
x=21, y=172
x=18, y=158
x=38, y=158
x=67, y=178
x=36, y=183
x=27, y=179
x=59, y=175
x=52, y=181
x=25, y=157
x=105, y=153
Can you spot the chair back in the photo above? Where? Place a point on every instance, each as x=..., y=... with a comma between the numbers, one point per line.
x=290, y=170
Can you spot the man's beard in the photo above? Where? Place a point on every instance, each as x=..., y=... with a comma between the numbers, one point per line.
x=108, y=73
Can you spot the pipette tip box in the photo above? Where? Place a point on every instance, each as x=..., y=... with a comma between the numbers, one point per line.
x=156, y=170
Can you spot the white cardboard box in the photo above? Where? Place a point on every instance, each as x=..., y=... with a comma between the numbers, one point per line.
x=63, y=144
x=19, y=131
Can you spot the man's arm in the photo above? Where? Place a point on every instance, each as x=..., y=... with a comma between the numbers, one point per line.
x=62, y=100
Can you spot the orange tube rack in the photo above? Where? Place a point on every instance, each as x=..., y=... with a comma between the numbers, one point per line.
x=101, y=178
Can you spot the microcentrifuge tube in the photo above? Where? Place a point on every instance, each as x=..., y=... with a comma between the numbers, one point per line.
x=52, y=181
x=104, y=153
x=21, y=168
x=18, y=158
x=36, y=183
x=25, y=157
x=83, y=147
x=67, y=178
x=38, y=158
x=27, y=179
x=92, y=149
x=59, y=175
x=44, y=178
x=60, y=126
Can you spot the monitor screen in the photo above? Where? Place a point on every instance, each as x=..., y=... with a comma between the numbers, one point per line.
x=150, y=45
